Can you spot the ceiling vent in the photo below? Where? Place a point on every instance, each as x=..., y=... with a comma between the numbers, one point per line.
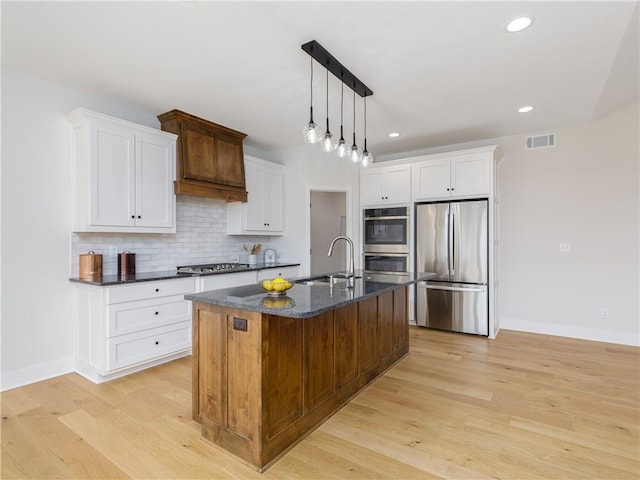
x=541, y=141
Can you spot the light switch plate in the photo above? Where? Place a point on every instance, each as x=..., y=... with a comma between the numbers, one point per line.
x=565, y=247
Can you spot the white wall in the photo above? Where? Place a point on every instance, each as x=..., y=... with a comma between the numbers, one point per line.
x=37, y=329
x=308, y=168
x=39, y=253
x=584, y=191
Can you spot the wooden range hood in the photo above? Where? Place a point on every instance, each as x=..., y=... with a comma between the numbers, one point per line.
x=210, y=160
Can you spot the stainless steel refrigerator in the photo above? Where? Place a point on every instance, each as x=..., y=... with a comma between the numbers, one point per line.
x=452, y=241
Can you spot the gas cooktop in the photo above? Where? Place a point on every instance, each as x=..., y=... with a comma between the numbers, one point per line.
x=212, y=267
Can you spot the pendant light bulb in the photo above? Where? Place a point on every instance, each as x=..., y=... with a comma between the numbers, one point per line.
x=367, y=158
x=341, y=147
x=311, y=133
x=325, y=142
x=355, y=154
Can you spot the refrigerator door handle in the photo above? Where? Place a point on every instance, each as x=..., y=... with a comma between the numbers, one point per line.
x=455, y=289
x=452, y=243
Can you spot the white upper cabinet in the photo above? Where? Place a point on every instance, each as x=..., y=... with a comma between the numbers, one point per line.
x=123, y=176
x=386, y=185
x=263, y=213
x=465, y=175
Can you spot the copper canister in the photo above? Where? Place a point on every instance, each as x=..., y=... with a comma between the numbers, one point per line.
x=91, y=266
x=126, y=265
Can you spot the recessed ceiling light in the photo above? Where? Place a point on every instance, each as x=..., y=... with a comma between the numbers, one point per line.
x=525, y=109
x=394, y=134
x=519, y=24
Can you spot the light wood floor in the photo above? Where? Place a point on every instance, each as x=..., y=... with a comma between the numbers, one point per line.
x=522, y=406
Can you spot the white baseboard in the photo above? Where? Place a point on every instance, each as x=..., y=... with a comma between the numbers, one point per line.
x=583, y=333
x=36, y=373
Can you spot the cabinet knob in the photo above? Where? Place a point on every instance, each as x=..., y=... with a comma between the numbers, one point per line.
x=157, y=313
x=133, y=216
x=139, y=216
x=157, y=342
x=157, y=289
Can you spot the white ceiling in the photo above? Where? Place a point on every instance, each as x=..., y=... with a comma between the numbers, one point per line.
x=442, y=72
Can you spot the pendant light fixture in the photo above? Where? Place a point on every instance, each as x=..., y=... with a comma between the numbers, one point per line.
x=311, y=132
x=355, y=154
x=341, y=147
x=325, y=142
x=367, y=158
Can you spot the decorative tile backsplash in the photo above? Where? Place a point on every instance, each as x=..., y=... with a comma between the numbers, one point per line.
x=200, y=238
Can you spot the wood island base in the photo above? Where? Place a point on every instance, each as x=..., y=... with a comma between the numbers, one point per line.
x=262, y=382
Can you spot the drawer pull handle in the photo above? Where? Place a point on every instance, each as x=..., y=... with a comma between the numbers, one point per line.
x=157, y=289
x=157, y=342
x=157, y=313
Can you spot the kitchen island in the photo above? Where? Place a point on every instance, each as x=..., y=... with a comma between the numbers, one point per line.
x=268, y=370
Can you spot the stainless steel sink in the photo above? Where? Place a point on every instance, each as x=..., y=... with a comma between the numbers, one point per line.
x=324, y=280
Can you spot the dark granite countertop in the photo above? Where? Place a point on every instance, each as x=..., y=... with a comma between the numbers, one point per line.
x=108, y=280
x=302, y=300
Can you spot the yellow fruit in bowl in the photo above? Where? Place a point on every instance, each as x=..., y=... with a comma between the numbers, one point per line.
x=277, y=284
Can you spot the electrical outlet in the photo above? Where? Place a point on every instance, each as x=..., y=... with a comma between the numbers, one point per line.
x=113, y=251
x=565, y=247
x=604, y=313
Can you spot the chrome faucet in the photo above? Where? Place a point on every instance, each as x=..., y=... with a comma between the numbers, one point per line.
x=350, y=274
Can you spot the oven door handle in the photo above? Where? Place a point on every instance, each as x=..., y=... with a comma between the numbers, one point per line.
x=386, y=218
x=382, y=254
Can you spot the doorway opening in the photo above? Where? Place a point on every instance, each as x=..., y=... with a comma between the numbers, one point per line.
x=328, y=219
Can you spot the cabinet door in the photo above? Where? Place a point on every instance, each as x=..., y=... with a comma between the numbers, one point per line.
x=273, y=206
x=112, y=175
x=254, y=217
x=432, y=179
x=398, y=183
x=470, y=176
x=154, y=181
x=373, y=191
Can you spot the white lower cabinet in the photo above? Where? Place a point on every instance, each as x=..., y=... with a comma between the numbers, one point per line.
x=122, y=329
x=147, y=345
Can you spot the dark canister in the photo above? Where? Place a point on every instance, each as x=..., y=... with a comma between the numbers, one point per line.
x=126, y=265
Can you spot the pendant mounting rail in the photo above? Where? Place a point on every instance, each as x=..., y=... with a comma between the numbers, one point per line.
x=324, y=58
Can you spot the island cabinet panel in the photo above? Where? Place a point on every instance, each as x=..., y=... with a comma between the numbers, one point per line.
x=368, y=333
x=385, y=324
x=319, y=359
x=243, y=376
x=400, y=332
x=346, y=344
x=283, y=379
x=211, y=349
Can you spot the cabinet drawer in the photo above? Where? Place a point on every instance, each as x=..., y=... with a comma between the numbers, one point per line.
x=127, y=350
x=144, y=290
x=129, y=317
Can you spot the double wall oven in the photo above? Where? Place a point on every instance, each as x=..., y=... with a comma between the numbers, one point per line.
x=386, y=240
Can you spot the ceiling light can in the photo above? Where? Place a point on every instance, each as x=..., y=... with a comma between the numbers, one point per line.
x=525, y=109
x=519, y=24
